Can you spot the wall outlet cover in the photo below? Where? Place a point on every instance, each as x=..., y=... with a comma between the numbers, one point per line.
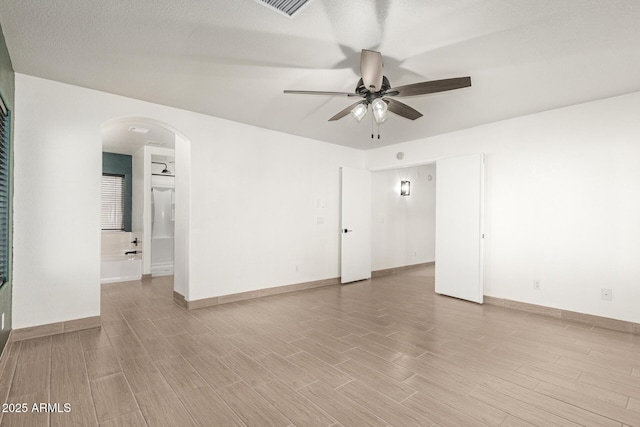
x=606, y=294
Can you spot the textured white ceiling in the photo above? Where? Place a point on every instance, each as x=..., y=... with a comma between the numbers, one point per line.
x=233, y=58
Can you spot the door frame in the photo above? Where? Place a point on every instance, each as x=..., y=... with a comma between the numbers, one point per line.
x=433, y=161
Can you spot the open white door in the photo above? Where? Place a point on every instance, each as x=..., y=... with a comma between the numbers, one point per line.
x=459, y=204
x=355, y=224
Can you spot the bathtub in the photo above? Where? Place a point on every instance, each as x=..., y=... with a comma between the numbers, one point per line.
x=120, y=268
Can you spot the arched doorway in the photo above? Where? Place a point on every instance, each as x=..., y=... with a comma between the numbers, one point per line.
x=157, y=151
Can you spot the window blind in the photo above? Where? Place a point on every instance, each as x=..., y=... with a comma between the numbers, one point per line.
x=5, y=192
x=112, y=202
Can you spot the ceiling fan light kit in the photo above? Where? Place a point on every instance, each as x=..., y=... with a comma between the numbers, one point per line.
x=376, y=90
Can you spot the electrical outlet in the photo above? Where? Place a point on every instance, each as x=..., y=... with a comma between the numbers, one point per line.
x=536, y=284
x=606, y=294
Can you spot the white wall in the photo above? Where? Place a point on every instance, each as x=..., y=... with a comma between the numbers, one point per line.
x=253, y=201
x=403, y=226
x=182, y=246
x=562, y=203
x=255, y=213
x=57, y=171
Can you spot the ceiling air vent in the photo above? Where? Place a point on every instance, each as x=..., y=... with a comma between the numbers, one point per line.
x=287, y=7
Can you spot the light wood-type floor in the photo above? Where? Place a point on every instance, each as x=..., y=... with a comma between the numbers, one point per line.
x=376, y=353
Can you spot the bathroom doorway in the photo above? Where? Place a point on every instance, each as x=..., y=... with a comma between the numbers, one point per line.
x=403, y=229
x=160, y=164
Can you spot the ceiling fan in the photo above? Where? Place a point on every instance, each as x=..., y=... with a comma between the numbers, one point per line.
x=375, y=90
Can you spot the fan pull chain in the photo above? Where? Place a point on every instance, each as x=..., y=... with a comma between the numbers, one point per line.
x=372, y=130
x=371, y=126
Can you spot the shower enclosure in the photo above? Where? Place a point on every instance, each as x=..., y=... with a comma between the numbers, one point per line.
x=162, y=225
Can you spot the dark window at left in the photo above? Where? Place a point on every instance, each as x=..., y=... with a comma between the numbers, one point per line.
x=5, y=191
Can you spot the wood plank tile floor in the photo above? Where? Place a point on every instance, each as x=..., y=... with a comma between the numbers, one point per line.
x=377, y=353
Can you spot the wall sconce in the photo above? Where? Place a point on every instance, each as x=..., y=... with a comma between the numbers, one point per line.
x=405, y=188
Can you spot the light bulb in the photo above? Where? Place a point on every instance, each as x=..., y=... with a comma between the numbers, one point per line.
x=379, y=108
x=359, y=111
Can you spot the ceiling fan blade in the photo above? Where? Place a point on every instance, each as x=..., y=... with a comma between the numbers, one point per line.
x=318, y=92
x=344, y=112
x=430, y=87
x=371, y=69
x=402, y=109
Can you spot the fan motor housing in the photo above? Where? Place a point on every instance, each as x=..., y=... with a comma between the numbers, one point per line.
x=363, y=91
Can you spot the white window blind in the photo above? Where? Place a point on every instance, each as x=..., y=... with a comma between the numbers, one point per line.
x=112, y=202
